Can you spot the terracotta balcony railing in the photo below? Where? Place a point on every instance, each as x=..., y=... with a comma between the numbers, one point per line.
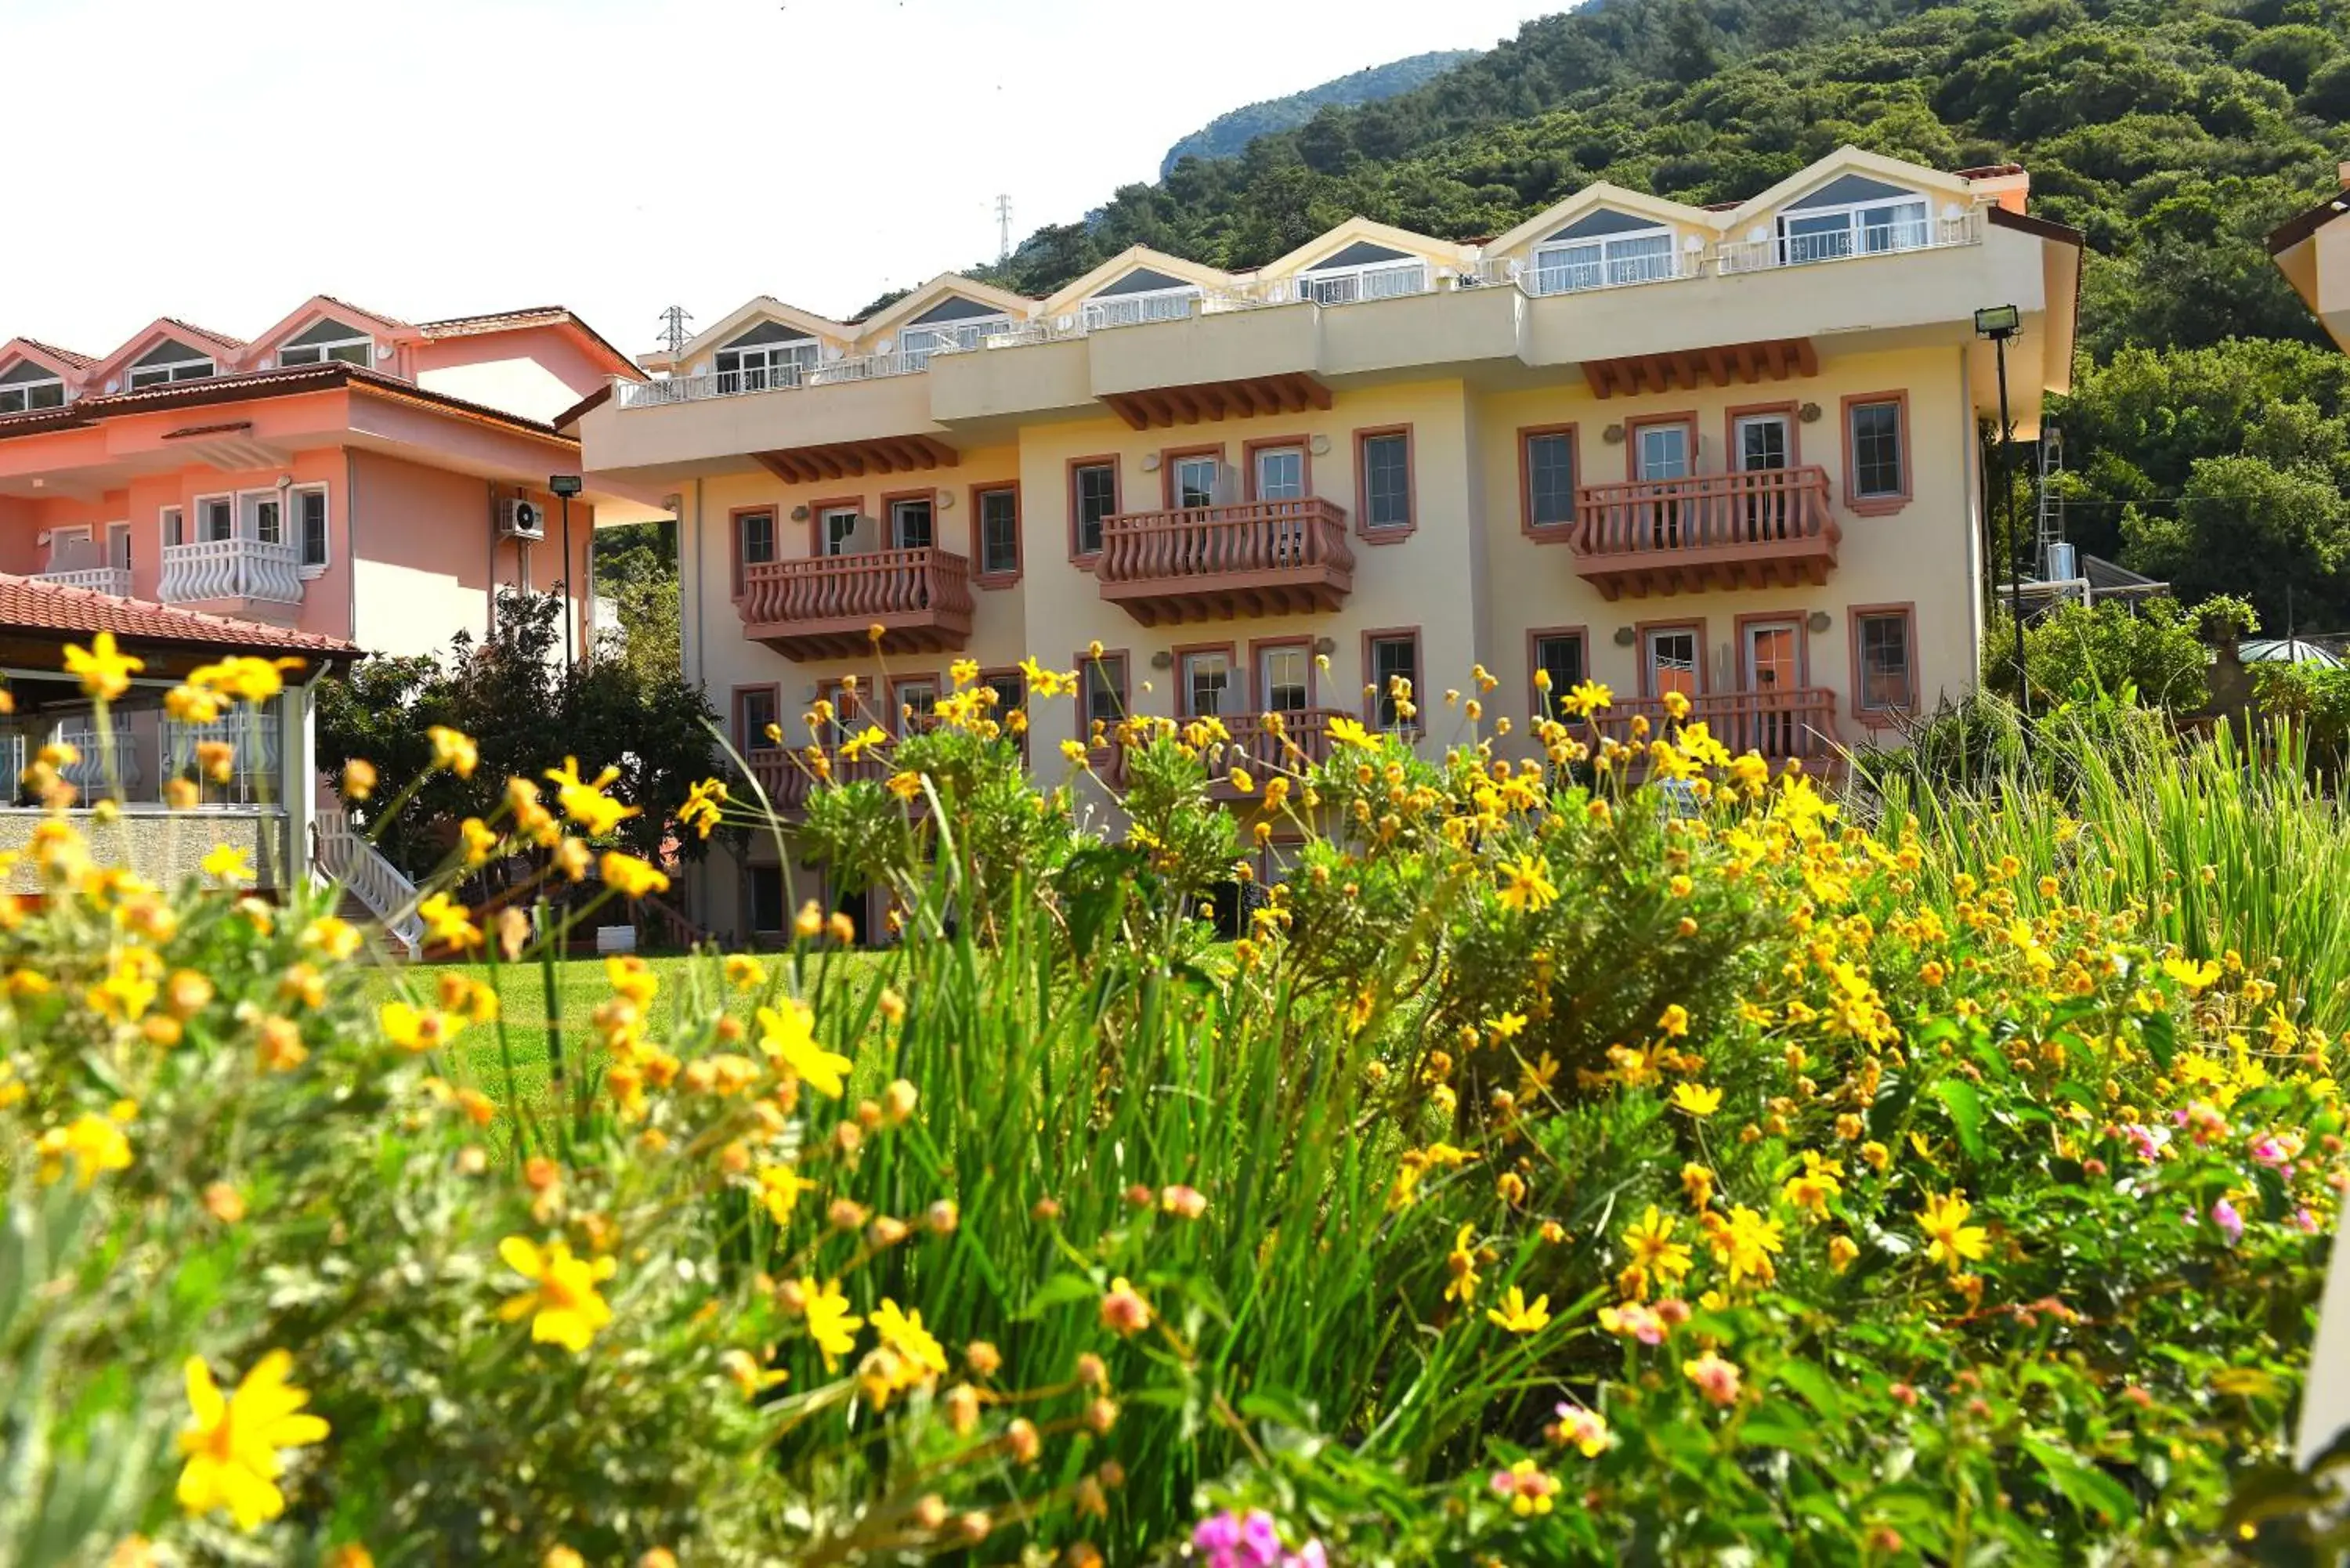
x=1769, y=528
x=1261, y=557
x=824, y=606
x=1797, y=722
x=1258, y=748
x=788, y=779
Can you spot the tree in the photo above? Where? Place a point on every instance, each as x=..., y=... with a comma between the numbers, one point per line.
x=527, y=715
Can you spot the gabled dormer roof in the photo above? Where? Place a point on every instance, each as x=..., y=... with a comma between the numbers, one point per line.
x=1862, y=170
x=201, y=342
x=746, y=317
x=323, y=307
x=1591, y=208
x=926, y=301
x=1135, y=270
x=62, y=363
x=1360, y=242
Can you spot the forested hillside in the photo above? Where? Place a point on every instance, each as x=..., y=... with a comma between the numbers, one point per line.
x=2176, y=134
x=1231, y=132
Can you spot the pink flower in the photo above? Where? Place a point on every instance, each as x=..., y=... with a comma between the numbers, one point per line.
x=1260, y=1540
x=2230, y=1223
x=1184, y=1202
x=2306, y=1221
x=1715, y=1378
x=2266, y=1150
x=2149, y=1142
x=1218, y=1536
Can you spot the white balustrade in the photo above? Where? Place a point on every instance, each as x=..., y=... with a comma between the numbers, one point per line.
x=1371, y=283
x=343, y=854
x=772, y=379
x=231, y=569
x=1850, y=241
x=1137, y=309
x=115, y=580
x=102, y=763
x=1573, y=277
x=254, y=747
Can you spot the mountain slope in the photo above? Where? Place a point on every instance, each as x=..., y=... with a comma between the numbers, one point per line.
x=1228, y=132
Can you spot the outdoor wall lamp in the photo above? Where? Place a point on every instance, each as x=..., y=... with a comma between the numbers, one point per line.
x=1625, y=636
x=1820, y=621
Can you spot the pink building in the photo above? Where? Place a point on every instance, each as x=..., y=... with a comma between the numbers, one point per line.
x=343, y=474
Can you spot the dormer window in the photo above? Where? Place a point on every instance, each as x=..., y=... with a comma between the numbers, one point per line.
x=769, y=355
x=1142, y=294
x=953, y=323
x=328, y=339
x=170, y=361
x=1363, y=271
x=26, y=386
x=1852, y=215
x=1601, y=249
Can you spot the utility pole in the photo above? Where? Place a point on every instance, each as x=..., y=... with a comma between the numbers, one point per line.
x=675, y=337
x=1002, y=229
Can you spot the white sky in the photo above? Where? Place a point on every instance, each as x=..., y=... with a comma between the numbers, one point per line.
x=427, y=157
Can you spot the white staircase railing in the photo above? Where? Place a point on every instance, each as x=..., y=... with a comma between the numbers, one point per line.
x=346, y=856
x=231, y=569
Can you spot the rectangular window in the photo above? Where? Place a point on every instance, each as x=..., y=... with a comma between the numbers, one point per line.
x=1207, y=684
x=1279, y=473
x=1103, y=684
x=910, y=524
x=764, y=893
x=1670, y=661
x=164, y=374
x=1192, y=480
x=1387, y=479
x=217, y=513
x=311, y=513
x=1393, y=664
x=1011, y=688
x=175, y=526
x=756, y=369
x=913, y=705
x=118, y=545
x=1886, y=676
x=1283, y=678
x=1558, y=655
x=754, y=710
x=348, y=350
x=999, y=532
x=754, y=541
x=265, y=517
x=25, y=395
x=839, y=529
x=1095, y=498
x=1875, y=432
x=1550, y=479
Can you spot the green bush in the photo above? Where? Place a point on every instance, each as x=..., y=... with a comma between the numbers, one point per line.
x=1552, y=1172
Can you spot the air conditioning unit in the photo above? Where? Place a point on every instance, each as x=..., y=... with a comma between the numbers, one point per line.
x=520, y=519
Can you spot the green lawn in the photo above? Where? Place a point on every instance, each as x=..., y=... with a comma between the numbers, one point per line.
x=580, y=984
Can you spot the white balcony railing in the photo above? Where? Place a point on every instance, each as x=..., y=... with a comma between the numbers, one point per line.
x=254, y=746
x=1847, y=244
x=99, y=766
x=1137, y=309
x=1372, y=282
x=231, y=569
x=777, y=378
x=115, y=580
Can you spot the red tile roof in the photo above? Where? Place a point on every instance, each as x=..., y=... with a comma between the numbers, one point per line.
x=220, y=338
x=78, y=361
x=514, y=320
x=33, y=604
x=281, y=379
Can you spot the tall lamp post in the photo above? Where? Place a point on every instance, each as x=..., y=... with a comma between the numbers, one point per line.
x=566, y=485
x=1998, y=323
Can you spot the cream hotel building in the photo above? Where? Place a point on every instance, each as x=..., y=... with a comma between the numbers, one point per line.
x=1731, y=452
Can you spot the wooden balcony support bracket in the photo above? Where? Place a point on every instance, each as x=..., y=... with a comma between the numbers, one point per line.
x=1291, y=392
x=856, y=458
x=1686, y=370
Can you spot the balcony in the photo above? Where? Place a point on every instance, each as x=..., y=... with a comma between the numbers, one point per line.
x=1845, y=244
x=252, y=579
x=1797, y=723
x=115, y=580
x=778, y=379
x=1263, y=557
x=824, y=606
x=1302, y=740
x=1764, y=529
x=789, y=778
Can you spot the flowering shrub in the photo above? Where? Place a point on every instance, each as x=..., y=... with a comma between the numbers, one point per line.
x=1556, y=1170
